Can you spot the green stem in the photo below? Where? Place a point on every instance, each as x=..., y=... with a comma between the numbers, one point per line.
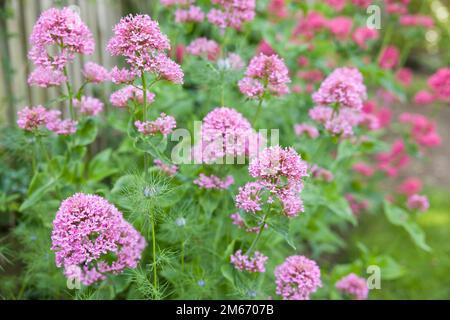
x=155, y=275
x=182, y=256
x=70, y=95
x=258, y=236
x=258, y=111
x=144, y=118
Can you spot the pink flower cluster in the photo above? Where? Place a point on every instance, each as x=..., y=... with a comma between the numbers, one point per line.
x=225, y=132
x=363, y=34
x=297, y=278
x=418, y=202
x=192, y=14
x=279, y=172
x=213, y=182
x=64, y=30
x=45, y=77
x=204, y=47
x=265, y=74
x=423, y=97
x=139, y=39
x=170, y=170
x=354, y=286
x=307, y=129
x=440, y=84
x=88, y=105
x=239, y=222
x=404, y=76
x=164, y=125
x=121, y=97
x=423, y=130
x=321, y=173
x=389, y=57
x=310, y=24
x=396, y=6
x=251, y=264
x=95, y=73
x=33, y=118
x=86, y=231
x=340, y=27
x=417, y=20
x=232, y=13
x=391, y=162
x=364, y=169
x=357, y=206
x=339, y=101
x=375, y=117
x=410, y=186
x=170, y=3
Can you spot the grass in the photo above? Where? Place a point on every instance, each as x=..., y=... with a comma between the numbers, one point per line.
x=427, y=274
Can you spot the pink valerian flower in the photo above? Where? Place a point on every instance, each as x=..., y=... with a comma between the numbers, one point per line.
x=357, y=206
x=122, y=76
x=321, y=173
x=268, y=72
x=394, y=160
x=204, y=47
x=416, y=20
x=345, y=87
x=354, y=286
x=389, y=57
x=418, y=202
x=397, y=6
x=213, y=182
x=46, y=77
x=311, y=75
x=86, y=230
x=164, y=125
x=278, y=9
x=192, y=14
x=309, y=25
x=423, y=97
x=304, y=128
x=289, y=197
x=340, y=27
x=61, y=28
x=30, y=119
x=383, y=116
x=121, y=97
x=423, y=130
x=303, y=61
x=340, y=123
x=240, y=223
x=167, y=69
x=234, y=61
x=168, y=169
x=404, y=76
x=225, y=132
x=273, y=163
x=265, y=48
x=232, y=13
x=410, y=186
x=63, y=127
x=364, y=169
x=252, y=88
x=249, y=197
x=88, y=105
x=95, y=73
x=297, y=278
x=363, y=34
x=337, y=5
x=440, y=84
x=137, y=38
x=242, y=262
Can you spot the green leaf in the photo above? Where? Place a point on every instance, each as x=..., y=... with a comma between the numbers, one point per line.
x=400, y=217
x=227, y=272
x=280, y=224
x=153, y=146
x=87, y=133
x=39, y=186
x=341, y=208
x=101, y=167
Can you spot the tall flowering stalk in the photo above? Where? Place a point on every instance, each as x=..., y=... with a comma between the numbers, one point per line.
x=139, y=39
